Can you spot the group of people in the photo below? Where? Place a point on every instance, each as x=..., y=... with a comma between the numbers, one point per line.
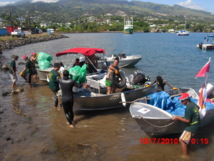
x=60, y=80
x=27, y=73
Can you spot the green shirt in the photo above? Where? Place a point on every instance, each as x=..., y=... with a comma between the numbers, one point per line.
x=12, y=65
x=192, y=114
x=53, y=84
x=29, y=65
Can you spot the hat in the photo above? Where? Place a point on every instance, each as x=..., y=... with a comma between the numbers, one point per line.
x=184, y=96
x=82, y=59
x=24, y=56
x=33, y=53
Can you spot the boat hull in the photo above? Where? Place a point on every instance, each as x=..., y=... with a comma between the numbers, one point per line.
x=128, y=31
x=104, y=101
x=157, y=127
x=129, y=61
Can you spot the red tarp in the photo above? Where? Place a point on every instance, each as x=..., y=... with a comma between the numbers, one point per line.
x=84, y=51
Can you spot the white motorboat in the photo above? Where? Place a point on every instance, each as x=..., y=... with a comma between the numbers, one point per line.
x=124, y=60
x=208, y=43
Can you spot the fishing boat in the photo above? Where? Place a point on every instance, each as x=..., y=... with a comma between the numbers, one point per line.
x=124, y=60
x=128, y=25
x=208, y=43
x=183, y=32
x=155, y=120
x=95, y=98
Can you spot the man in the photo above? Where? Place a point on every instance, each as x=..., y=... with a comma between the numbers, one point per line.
x=29, y=67
x=24, y=74
x=53, y=82
x=13, y=72
x=192, y=119
x=112, y=68
x=33, y=58
x=66, y=86
x=161, y=84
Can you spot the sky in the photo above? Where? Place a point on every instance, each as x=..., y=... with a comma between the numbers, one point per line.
x=205, y=5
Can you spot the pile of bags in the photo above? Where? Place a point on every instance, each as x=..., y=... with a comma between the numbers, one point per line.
x=78, y=73
x=44, y=60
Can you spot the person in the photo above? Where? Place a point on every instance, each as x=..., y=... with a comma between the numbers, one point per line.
x=161, y=84
x=33, y=58
x=92, y=64
x=61, y=69
x=76, y=62
x=82, y=61
x=12, y=72
x=112, y=68
x=66, y=86
x=53, y=82
x=24, y=74
x=191, y=118
x=29, y=69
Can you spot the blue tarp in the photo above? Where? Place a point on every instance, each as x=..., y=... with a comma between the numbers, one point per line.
x=172, y=105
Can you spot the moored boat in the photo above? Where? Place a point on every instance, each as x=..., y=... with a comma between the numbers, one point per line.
x=208, y=43
x=155, y=120
x=128, y=25
x=125, y=60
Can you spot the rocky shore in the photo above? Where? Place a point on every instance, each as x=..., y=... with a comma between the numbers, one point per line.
x=10, y=44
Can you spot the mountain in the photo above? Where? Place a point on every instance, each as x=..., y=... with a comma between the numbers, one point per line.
x=66, y=10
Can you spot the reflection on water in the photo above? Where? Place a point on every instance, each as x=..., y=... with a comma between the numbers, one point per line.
x=31, y=128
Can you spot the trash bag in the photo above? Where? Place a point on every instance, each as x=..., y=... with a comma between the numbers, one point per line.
x=44, y=64
x=44, y=56
x=78, y=74
x=82, y=77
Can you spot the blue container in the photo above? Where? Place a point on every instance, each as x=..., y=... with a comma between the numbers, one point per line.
x=3, y=32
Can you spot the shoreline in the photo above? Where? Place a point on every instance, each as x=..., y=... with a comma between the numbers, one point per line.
x=10, y=44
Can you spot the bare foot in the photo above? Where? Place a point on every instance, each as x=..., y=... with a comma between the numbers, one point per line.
x=58, y=108
x=71, y=126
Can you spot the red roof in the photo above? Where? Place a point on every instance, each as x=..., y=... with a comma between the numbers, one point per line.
x=84, y=51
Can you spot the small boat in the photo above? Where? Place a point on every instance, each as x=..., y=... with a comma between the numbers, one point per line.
x=128, y=25
x=96, y=99
x=208, y=43
x=84, y=51
x=125, y=60
x=183, y=32
x=157, y=121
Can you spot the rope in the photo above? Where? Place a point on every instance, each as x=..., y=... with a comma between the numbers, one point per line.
x=157, y=125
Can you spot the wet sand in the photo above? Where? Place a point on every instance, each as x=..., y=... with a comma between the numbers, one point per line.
x=31, y=129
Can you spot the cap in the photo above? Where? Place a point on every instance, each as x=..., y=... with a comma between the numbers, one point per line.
x=184, y=96
x=82, y=59
x=24, y=56
x=33, y=53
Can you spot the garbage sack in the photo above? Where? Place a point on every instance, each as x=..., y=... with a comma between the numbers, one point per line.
x=44, y=64
x=44, y=56
x=78, y=73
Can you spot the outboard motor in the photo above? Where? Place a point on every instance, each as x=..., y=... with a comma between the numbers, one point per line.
x=139, y=78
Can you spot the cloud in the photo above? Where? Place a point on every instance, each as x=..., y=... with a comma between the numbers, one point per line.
x=46, y=1
x=5, y=3
x=190, y=4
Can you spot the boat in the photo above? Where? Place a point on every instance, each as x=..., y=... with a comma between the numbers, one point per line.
x=183, y=32
x=156, y=121
x=128, y=25
x=124, y=60
x=87, y=52
x=208, y=43
x=95, y=98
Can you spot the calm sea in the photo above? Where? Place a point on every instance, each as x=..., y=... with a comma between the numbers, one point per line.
x=106, y=135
